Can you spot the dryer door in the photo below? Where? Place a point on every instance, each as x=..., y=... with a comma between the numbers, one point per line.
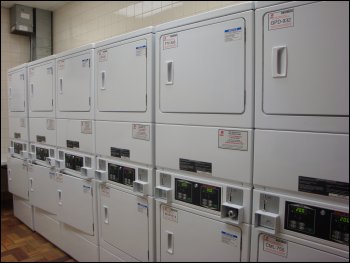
x=17, y=91
x=187, y=237
x=18, y=177
x=124, y=222
x=276, y=249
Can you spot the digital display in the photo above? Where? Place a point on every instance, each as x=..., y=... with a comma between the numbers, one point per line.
x=344, y=219
x=300, y=210
x=184, y=184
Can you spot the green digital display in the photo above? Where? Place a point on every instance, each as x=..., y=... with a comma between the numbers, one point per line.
x=184, y=184
x=300, y=210
x=209, y=190
x=344, y=219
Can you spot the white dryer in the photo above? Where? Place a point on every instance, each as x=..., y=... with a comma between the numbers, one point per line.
x=204, y=93
x=75, y=83
x=290, y=227
x=17, y=91
x=41, y=88
x=301, y=141
x=201, y=219
x=126, y=211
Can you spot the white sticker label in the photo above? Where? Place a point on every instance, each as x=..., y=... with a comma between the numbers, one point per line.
x=59, y=178
x=86, y=188
x=102, y=55
x=281, y=19
x=31, y=72
x=229, y=238
x=233, y=140
x=25, y=15
x=275, y=246
x=105, y=191
x=50, y=124
x=140, y=131
x=86, y=127
x=60, y=65
x=170, y=41
x=49, y=71
x=141, y=50
x=23, y=28
x=169, y=214
x=22, y=122
x=85, y=62
x=233, y=34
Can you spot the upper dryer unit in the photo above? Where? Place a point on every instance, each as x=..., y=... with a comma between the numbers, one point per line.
x=124, y=77
x=204, y=68
x=17, y=91
x=41, y=87
x=75, y=83
x=302, y=67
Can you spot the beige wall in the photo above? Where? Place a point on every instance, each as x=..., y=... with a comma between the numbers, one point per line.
x=79, y=23
x=15, y=50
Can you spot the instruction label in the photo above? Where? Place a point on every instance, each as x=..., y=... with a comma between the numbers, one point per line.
x=233, y=34
x=60, y=65
x=102, y=55
x=169, y=214
x=105, y=191
x=233, y=139
x=229, y=238
x=86, y=127
x=275, y=246
x=170, y=41
x=50, y=124
x=22, y=122
x=141, y=50
x=281, y=19
x=25, y=15
x=141, y=132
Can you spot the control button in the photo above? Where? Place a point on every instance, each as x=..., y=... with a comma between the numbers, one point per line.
x=179, y=195
x=336, y=235
x=301, y=226
x=322, y=212
x=292, y=224
x=204, y=202
x=210, y=203
x=184, y=196
x=346, y=237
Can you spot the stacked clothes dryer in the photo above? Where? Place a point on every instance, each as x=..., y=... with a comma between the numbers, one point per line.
x=204, y=136
x=75, y=162
x=301, y=150
x=124, y=90
x=18, y=151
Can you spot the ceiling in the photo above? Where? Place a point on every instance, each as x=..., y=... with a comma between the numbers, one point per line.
x=46, y=5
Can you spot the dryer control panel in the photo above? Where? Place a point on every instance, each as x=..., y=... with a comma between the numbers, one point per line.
x=199, y=194
x=121, y=174
x=74, y=162
x=41, y=153
x=318, y=222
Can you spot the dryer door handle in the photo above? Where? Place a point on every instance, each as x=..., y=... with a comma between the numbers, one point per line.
x=105, y=208
x=59, y=197
x=169, y=72
x=170, y=242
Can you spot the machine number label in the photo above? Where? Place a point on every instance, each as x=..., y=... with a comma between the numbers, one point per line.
x=229, y=238
x=49, y=71
x=141, y=50
x=50, y=124
x=275, y=246
x=233, y=140
x=22, y=122
x=281, y=19
x=141, y=132
x=86, y=188
x=233, y=34
x=85, y=62
x=102, y=55
x=31, y=72
x=60, y=65
x=170, y=41
x=169, y=214
x=59, y=178
x=105, y=191
x=142, y=207
x=86, y=127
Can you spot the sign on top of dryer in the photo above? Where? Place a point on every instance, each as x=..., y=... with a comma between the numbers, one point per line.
x=204, y=68
x=17, y=91
x=74, y=83
x=41, y=87
x=124, y=77
x=302, y=67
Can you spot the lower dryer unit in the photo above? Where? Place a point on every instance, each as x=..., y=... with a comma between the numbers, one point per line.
x=201, y=219
x=126, y=211
x=296, y=227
